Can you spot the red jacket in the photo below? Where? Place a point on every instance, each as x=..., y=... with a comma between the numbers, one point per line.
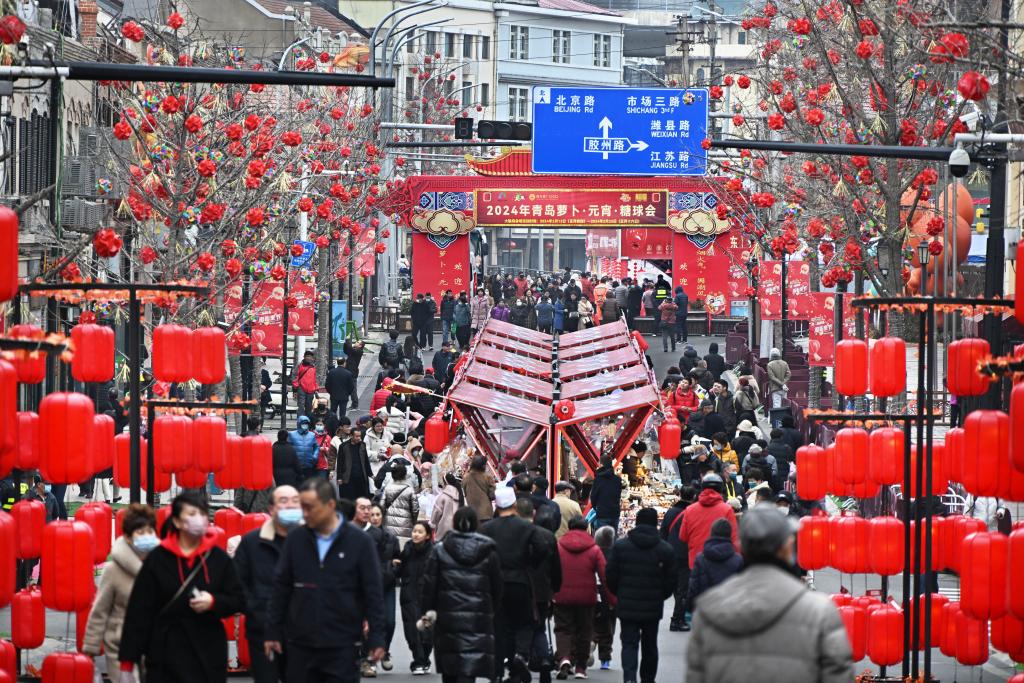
x=697, y=521
x=582, y=562
x=379, y=400
x=684, y=403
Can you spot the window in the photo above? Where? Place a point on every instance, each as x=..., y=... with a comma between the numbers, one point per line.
x=602, y=50
x=410, y=47
x=431, y=42
x=560, y=41
x=741, y=38
x=466, y=93
x=519, y=42
x=449, y=44
x=485, y=94
x=467, y=47
x=518, y=100
x=485, y=47
x=410, y=88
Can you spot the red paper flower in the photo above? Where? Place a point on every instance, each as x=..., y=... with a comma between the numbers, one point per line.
x=814, y=117
x=738, y=120
x=122, y=130
x=935, y=247
x=238, y=341
x=170, y=105
x=252, y=122
x=341, y=273
x=71, y=272
x=11, y=29
x=865, y=49
x=147, y=254
x=867, y=27
x=233, y=132
x=764, y=200
x=132, y=31
x=257, y=168
x=291, y=301
x=86, y=318
x=278, y=272
x=175, y=21
x=743, y=82
x=255, y=216
x=207, y=168
x=715, y=92
x=305, y=204
x=297, y=249
x=705, y=144
x=106, y=242
x=205, y=261
x=291, y=138
x=973, y=86
x=776, y=121
x=323, y=241
x=380, y=247
x=801, y=26
x=193, y=123
x=233, y=267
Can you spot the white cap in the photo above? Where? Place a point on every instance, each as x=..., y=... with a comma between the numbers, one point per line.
x=504, y=497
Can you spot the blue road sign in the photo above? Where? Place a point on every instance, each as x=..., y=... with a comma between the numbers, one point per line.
x=307, y=254
x=620, y=131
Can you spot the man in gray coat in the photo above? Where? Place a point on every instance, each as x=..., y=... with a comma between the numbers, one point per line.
x=778, y=377
x=764, y=619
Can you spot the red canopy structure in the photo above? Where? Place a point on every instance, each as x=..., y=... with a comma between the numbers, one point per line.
x=522, y=395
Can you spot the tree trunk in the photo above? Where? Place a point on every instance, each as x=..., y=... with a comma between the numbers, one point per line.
x=323, y=351
x=235, y=368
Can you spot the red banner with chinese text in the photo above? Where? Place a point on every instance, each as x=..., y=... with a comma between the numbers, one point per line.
x=798, y=290
x=769, y=290
x=302, y=316
x=710, y=274
x=232, y=300
x=821, y=349
x=561, y=208
x=268, y=308
x=434, y=269
x=603, y=243
x=641, y=243
x=365, y=261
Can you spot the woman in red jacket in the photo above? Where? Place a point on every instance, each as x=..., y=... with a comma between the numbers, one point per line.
x=684, y=400
x=582, y=564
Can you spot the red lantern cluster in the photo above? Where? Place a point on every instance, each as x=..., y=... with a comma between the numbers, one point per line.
x=882, y=371
x=94, y=353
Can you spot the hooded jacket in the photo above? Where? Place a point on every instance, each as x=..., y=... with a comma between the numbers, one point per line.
x=445, y=505
x=286, y=465
x=583, y=564
x=108, y=609
x=463, y=583
x=606, y=493
x=688, y=361
x=765, y=620
x=697, y=520
x=304, y=443
x=718, y=562
x=641, y=573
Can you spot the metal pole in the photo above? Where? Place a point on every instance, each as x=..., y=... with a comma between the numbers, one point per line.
x=918, y=488
x=150, y=470
x=995, y=257
x=284, y=355
x=837, y=331
x=783, y=315
x=929, y=472
x=134, y=396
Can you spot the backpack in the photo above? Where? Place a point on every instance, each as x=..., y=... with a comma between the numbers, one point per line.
x=391, y=352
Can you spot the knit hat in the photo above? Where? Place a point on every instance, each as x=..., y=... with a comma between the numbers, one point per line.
x=504, y=497
x=721, y=528
x=647, y=517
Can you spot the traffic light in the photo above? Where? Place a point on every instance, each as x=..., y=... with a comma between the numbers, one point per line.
x=504, y=130
x=463, y=128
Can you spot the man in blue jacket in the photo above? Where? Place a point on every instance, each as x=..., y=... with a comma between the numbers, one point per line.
x=304, y=443
x=327, y=583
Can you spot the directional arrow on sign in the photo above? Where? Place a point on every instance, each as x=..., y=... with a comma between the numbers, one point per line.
x=606, y=144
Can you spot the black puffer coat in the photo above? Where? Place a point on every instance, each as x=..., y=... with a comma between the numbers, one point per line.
x=462, y=583
x=641, y=572
x=713, y=566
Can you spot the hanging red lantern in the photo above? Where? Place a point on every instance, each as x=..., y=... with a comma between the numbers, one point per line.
x=938, y=551
x=983, y=575
x=65, y=437
x=191, y=478
x=813, y=549
x=888, y=365
x=940, y=481
x=435, y=434
x=209, y=354
x=258, y=468
x=28, y=619
x=27, y=457
x=885, y=538
x=955, y=453
x=811, y=473
x=8, y=661
x=81, y=622
x=1008, y=635
x=67, y=562
x=962, y=376
x=254, y=520
x=172, y=353
x=236, y=452
x=971, y=639
x=67, y=667
x=833, y=485
x=670, y=435
x=960, y=527
x=172, y=443
x=1015, y=596
x=220, y=539
x=94, y=353
x=230, y=520
x=8, y=552
x=640, y=341
x=1011, y=480
x=98, y=516
x=30, y=365
x=30, y=517
x=851, y=367
x=865, y=488
x=855, y=619
x=8, y=416
x=209, y=438
x=885, y=466
x=851, y=455
x=849, y=537
x=102, y=443
x=885, y=636
x=947, y=637
x=986, y=439
x=938, y=625
x=1017, y=422
x=122, y=465
x=8, y=253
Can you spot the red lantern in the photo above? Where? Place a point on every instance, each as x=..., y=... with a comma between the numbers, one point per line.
x=230, y=520
x=67, y=667
x=8, y=253
x=236, y=453
x=122, y=465
x=1017, y=421
x=811, y=473
x=30, y=366
x=8, y=659
x=851, y=455
x=27, y=457
x=98, y=516
x=983, y=575
x=940, y=481
x=960, y=527
x=220, y=538
x=851, y=367
x=8, y=413
x=94, y=353
x=971, y=639
x=209, y=437
x=850, y=545
x=8, y=553
x=986, y=440
x=172, y=443
x=962, y=374
x=1015, y=597
x=885, y=636
x=172, y=353
x=102, y=443
x=670, y=435
x=885, y=466
x=66, y=574
x=813, y=549
x=888, y=364
x=938, y=551
x=30, y=516
x=435, y=434
x=947, y=637
x=258, y=468
x=191, y=478
x=938, y=624
x=1008, y=635
x=855, y=619
x=209, y=353
x=253, y=520
x=885, y=538
x=65, y=438
x=955, y=453
x=28, y=619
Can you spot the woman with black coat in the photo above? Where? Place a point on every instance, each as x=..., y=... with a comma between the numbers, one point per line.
x=187, y=584
x=462, y=585
x=411, y=565
x=353, y=468
x=286, y=463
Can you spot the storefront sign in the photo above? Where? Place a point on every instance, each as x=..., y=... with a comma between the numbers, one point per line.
x=499, y=208
x=641, y=243
x=821, y=347
x=436, y=269
x=268, y=308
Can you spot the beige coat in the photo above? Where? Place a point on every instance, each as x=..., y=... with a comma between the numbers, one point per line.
x=479, y=490
x=569, y=509
x=107, y=614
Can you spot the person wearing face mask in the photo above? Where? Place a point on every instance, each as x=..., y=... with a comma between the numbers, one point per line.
x=306, y=448
x=185, y=587
x=103, y=629
x=324, y=458
x=255, y=560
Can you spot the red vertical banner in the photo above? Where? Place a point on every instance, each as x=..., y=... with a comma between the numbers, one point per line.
x=365, y=261
x=232, y=300
x=711, y=274
x=798, y=290
x=268, y=308
x=821, y=348
x=435, y=269
x=645, y=243
x=302, y=316
x=769, y=290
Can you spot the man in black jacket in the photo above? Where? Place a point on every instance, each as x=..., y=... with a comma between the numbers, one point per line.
x=341, y=387
x=641, y=572
x=442, y=359
x=669, y=532
x=606, y=495
x=447, y=311
x=255, y=560
x=426, y=339
x=326, y=584
x=634, y=297
x=715, y=361
x=353, y=355
x=780, y=449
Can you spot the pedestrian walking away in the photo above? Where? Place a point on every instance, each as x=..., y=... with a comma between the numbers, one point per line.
x=583, y=570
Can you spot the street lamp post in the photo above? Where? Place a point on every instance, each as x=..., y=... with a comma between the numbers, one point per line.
x=923, y=255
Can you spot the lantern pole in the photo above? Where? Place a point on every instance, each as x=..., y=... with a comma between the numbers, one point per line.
x=150, y=470
x=134, y=418
x=837, y=332
x=929, y=467
x=918, y=487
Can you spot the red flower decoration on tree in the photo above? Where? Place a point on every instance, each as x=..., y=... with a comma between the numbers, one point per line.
x=305, y=204
x=291, y=138
x=122, y=130
x=380, y=247
x=193, y=123
x=132, y=31
x=255, y=216
x=323, y=241
x=814, y=117
x=11, y=29
x=106, y=242
x=973, y=86
x=175, y=21
x=233, y=267
x=207, y=168
x=278, y=272
x=147, y=254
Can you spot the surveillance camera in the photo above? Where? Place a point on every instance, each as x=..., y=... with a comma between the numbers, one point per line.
x=970, y=119
x=959, y=162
